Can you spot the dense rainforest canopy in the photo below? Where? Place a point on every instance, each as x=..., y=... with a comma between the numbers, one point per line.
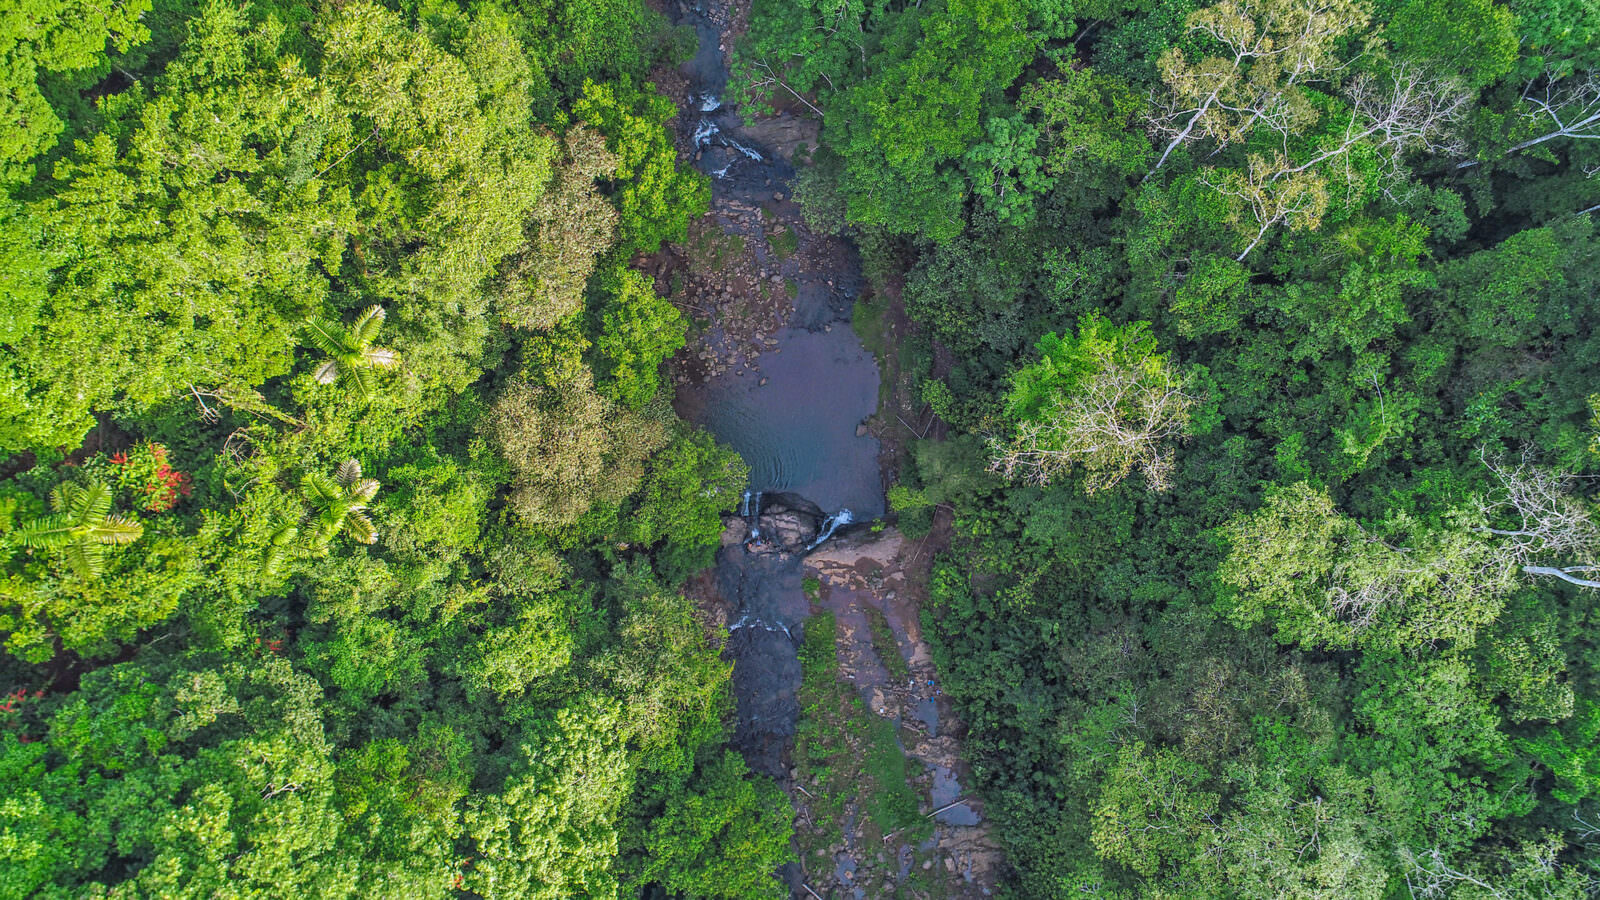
x=364, y=581
x=344, y=512
x=1266, y=332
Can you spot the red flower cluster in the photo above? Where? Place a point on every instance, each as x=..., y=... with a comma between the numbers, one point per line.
x=16, y=697
x=155, y=483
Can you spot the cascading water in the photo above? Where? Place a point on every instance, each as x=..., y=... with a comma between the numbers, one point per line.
x=796, y=421
x=752, y=514
x=829, y=526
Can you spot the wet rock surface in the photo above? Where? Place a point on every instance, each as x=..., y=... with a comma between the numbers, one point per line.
x=866, y=576
x=775, y=371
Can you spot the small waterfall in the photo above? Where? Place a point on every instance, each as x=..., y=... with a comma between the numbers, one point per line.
x=830, y=525
x=744, y=506
x=749, y=153
x=710, y=102
x=752, y=512
x=745, y=621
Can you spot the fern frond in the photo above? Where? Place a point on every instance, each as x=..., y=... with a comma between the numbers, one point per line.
x=349, y=472
x=359, y=527
x=365, y=329
x=329, y=337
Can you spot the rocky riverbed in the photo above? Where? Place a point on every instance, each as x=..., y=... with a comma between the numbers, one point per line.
x=775, y=371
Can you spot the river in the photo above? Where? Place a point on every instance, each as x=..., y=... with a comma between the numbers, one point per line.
x=790, y=387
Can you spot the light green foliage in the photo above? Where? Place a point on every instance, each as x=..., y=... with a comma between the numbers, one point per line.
x=803, y=47
x=669, y=677
x=1324, y=580
x=654, y=196
x=921, y=108
x=575, y=225
x=202, y=272
x=1087, y=122
x=1570, y=753
x=533, y=643
x=64, y=588
x=724, y=838
x=570, y=449
x=550, y=832
x=268, y=202
x=1102, y=400
x=189, y=775
x=1006, y=171
x=1475, y=40
x=1150, y=812
x=689, y=485
x=39, y=38
x=638, y=330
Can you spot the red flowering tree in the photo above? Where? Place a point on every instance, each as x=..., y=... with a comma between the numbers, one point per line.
x=145, y=472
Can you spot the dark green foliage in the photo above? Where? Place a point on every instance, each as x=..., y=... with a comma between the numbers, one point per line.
x=724, y=837
x=1307, y=668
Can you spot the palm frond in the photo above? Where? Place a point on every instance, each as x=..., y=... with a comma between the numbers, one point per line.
x=349, y=472
x=380, y=357
x=319, y=489
x=365, y=329
x=115, y=529
x=89, y=504
x=359, y=527
x=45, y=532
x=327, y=524
x=278, y=545
x=364, y=490
x=329, y=337
x=86, y=559
x=359, y=379
x=328, y=372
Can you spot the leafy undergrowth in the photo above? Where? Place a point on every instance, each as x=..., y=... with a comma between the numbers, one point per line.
x=884, y=644
x=849, y=763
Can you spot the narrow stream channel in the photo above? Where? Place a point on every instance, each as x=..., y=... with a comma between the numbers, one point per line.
x=796, y=419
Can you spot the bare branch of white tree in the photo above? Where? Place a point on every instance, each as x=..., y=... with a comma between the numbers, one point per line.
x=1568, y=107
x=1547, y=529
x=1125, y=417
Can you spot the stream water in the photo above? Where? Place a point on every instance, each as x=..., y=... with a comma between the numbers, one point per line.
x=797, y=425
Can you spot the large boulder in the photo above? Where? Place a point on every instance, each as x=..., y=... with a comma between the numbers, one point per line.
x=789, y=530
x=734, y=530
x=787, y=524
x=783, y=134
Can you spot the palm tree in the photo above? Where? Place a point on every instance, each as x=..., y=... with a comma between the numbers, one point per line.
x=350, y=349
x=81, y=527
x=339, y=504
